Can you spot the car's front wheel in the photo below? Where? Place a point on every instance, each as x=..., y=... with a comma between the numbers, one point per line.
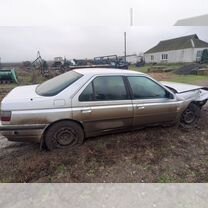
x=190, y=116
x=63, y=134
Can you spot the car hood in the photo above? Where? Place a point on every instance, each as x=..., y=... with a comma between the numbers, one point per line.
x=181, y=88
x=188, y=91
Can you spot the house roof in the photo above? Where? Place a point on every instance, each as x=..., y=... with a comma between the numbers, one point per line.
x=190, y=41
x=193, y=21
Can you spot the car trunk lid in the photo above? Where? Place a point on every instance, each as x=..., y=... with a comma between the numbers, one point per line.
x=25, y=98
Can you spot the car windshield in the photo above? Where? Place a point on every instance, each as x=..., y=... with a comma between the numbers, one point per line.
x=57, y=84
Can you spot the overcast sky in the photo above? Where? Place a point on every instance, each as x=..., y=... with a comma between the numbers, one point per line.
x=88, y=28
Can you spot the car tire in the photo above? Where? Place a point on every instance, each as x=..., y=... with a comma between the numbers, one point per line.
x=64, y=134
x=190, y=117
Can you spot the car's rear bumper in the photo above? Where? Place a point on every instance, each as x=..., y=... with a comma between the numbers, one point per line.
x=23, y=133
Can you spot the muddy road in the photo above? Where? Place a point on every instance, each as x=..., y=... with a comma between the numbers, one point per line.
x=149, y=155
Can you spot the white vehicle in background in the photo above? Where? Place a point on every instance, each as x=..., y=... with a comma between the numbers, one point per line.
x=82, y=103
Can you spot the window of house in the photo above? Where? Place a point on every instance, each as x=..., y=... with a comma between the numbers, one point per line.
x=105, y=89
x=199, y=54
x=164, y=56
x=152, y=58
x=145, y=88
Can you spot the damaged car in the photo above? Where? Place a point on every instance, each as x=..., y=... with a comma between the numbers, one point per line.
x=82, y=103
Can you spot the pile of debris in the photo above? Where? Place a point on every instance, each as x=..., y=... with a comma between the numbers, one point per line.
x=159, y=69
x=193, y=69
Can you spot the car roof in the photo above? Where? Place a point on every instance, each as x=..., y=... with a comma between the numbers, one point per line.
x=103, y=71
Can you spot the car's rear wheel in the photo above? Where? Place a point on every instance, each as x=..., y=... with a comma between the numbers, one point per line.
x=64, y=134
x=190, y=116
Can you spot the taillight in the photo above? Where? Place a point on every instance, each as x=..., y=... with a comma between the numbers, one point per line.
x=5, y=115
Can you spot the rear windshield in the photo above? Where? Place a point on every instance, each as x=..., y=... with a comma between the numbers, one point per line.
x=57, y=84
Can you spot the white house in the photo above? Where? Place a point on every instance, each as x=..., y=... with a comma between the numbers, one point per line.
x=178, y=50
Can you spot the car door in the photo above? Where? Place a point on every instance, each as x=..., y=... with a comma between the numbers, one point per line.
x=152, y=102
x=103, y=105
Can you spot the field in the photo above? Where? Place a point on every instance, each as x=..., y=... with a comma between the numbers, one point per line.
x=172, y=77
x=150, y=155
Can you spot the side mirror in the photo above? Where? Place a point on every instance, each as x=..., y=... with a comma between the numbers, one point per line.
x=169, y=95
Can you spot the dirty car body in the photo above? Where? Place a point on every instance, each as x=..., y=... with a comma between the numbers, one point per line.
x=93, y=102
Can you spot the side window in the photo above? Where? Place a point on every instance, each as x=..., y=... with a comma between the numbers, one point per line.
x=87, y=94
x=144, y=88
x=109, y=88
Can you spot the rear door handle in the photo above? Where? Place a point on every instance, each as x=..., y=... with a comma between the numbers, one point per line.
x=86, y=111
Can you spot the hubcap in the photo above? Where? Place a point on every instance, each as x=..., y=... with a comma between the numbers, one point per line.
x=189, y=116
x=65, y=137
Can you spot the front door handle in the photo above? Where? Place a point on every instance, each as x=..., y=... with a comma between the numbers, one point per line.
x=139, y=107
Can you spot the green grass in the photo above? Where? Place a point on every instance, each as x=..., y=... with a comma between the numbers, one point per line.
x=189, y=79
x=166, y=179
x=140, y=69
x=145, y=68
x=61, y=168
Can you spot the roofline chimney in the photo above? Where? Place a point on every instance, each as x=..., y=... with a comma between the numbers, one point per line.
x=192, y=43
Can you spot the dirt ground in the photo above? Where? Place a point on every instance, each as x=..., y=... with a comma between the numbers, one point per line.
x=150, y=155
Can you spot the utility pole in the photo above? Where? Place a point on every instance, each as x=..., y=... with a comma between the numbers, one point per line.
x=131, y=24
x=124, y=46
x=131, y=17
